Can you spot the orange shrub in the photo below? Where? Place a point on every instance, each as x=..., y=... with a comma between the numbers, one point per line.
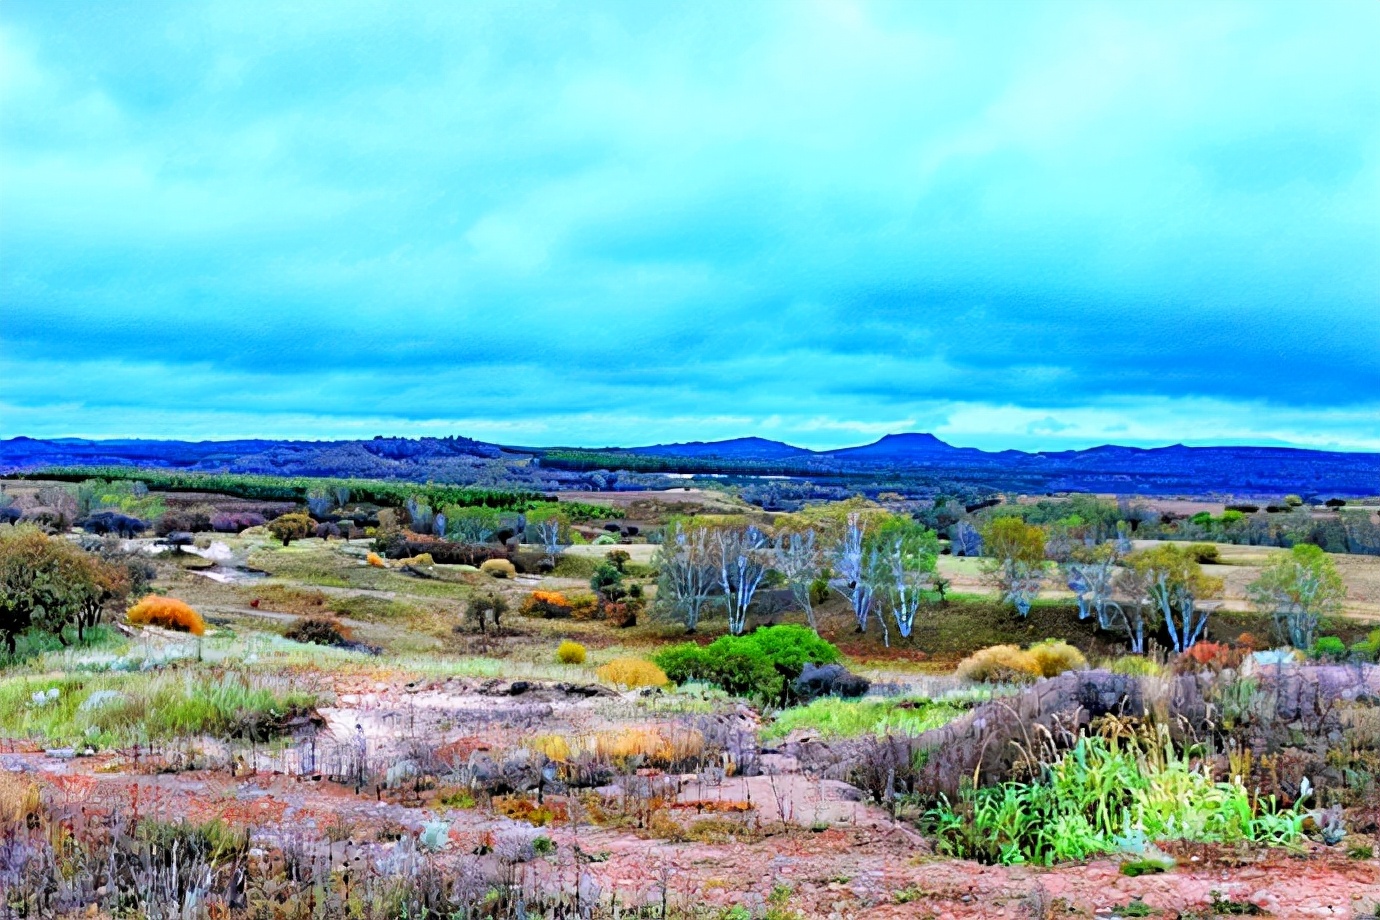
x=550, y=605
x=374, y=559
x=167, y=613
x=1212, y=656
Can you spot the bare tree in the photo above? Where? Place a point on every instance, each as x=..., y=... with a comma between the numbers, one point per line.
x=743, y=557
x=798, y=558
x=906, y=556
x=548, y=534
x=964, y=540
x=687, y=574
x=850, y=562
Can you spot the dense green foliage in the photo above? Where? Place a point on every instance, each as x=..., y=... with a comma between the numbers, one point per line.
x=760, y=665
x=1104, y=797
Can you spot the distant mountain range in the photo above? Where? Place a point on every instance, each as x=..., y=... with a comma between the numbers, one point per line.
x=902, y=457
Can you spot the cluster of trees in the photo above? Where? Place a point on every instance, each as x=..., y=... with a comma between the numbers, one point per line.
x=52, y=585
x=883, y=564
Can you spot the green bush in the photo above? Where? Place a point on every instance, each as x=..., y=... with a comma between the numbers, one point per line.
x=1369, y=647
x=1136, y=666
x=1329, y=647
x=761, y=665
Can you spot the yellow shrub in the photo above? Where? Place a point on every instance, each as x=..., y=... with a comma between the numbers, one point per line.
x=570, y=653
x=656, y=745
x=999, y=664
x=552, y=747
x=168, y=613
x=584, y=606
x=498, y=568
x=632, y=673
x=374, y=559
x=419, y=559
x=1054, y=656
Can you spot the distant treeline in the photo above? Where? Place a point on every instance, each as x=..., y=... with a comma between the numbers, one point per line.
x=587, y=460
x=297, y=488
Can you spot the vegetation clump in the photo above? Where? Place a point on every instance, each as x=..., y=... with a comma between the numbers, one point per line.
x=632, y=673
x=761, y=665
x=498, y=568
x=570, y=653
x=166, y=613
x=319, y=631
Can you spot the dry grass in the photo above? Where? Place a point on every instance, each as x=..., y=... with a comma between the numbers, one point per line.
x=631, y=673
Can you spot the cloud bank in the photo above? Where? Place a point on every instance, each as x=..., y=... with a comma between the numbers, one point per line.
x=620, y=223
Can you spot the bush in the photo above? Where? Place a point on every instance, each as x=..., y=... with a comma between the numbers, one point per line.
x=167, y=613
x=1205, y=553
x=1369, y=647
x=1209, y=655
x=570, y=653
x=1136, y=666
x=318, y=631
x=190, y=520
x=632, y=673
x=549, y=605
x=289, y=527
x=498, y=568
x=374, y=559
x=763, y=664
x=584, y=606
x=999, y=664
x=235, y=522
x=1054, y=657
x=1329, y=647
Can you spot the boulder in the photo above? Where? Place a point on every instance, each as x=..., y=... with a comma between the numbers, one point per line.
x=816, y=681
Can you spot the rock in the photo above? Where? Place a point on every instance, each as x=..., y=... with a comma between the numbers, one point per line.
x=829, y=680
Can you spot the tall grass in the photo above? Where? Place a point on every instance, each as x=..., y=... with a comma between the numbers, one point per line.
x=117, y=709
x=1108, y=796
x=831, y=717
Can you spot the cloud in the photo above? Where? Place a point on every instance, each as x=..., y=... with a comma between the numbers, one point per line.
x=816, y=219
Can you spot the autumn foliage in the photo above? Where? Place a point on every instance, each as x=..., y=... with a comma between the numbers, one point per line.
x=166, y=613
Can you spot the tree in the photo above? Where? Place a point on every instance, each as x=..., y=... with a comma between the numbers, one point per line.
x=1015, y=560
x=851, y=562
x=799, y=559
x=1090, y=576
x=472, y=523
x=551, y=532
x=1175, y=583
x=742, y=556
x=964, y=540
x=906, y=556
x=484, y=605
x=289, y=527
x=51, y=584
x=686, y=578
x=1298, y=588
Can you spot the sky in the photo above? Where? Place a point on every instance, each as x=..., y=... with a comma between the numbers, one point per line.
x=1031, y=225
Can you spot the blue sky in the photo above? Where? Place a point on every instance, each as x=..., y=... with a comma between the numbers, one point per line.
x=1034, y=225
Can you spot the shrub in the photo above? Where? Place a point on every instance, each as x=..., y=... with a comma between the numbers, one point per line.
x=1210, y=655
x=622, y=614
x=570, y=653
x=1205, y=553
x=1369, y=647
x=326, y=531
x=619, y=558
x=289, y=527
x=549, y=605
x=1329, y=647
x=374, y=559
x=167, y=613
x=632, y=673
x=1054, y=657
x=763, y=664
x=999, y=664
x=584, y=606
x=190, y=520
x=318, y=631
x=1136, y=666
x=235, y=522
x=498, y=568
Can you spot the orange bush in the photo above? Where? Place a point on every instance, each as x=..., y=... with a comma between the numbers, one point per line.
x=167, y=613
x=550, y=605
x=1211, y=655
x=374, y=559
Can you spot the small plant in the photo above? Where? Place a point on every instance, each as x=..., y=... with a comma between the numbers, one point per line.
x=375, y=560
x=1136, y=666
x=1329, y=648
x=570, y=653
x=543, y=845
x=1205, y=553
x=632, y=673
x=999, y=664
x=498, y=568
x=548, y=605
x=166, y=613
x=318, y=631
x=1054, y=657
